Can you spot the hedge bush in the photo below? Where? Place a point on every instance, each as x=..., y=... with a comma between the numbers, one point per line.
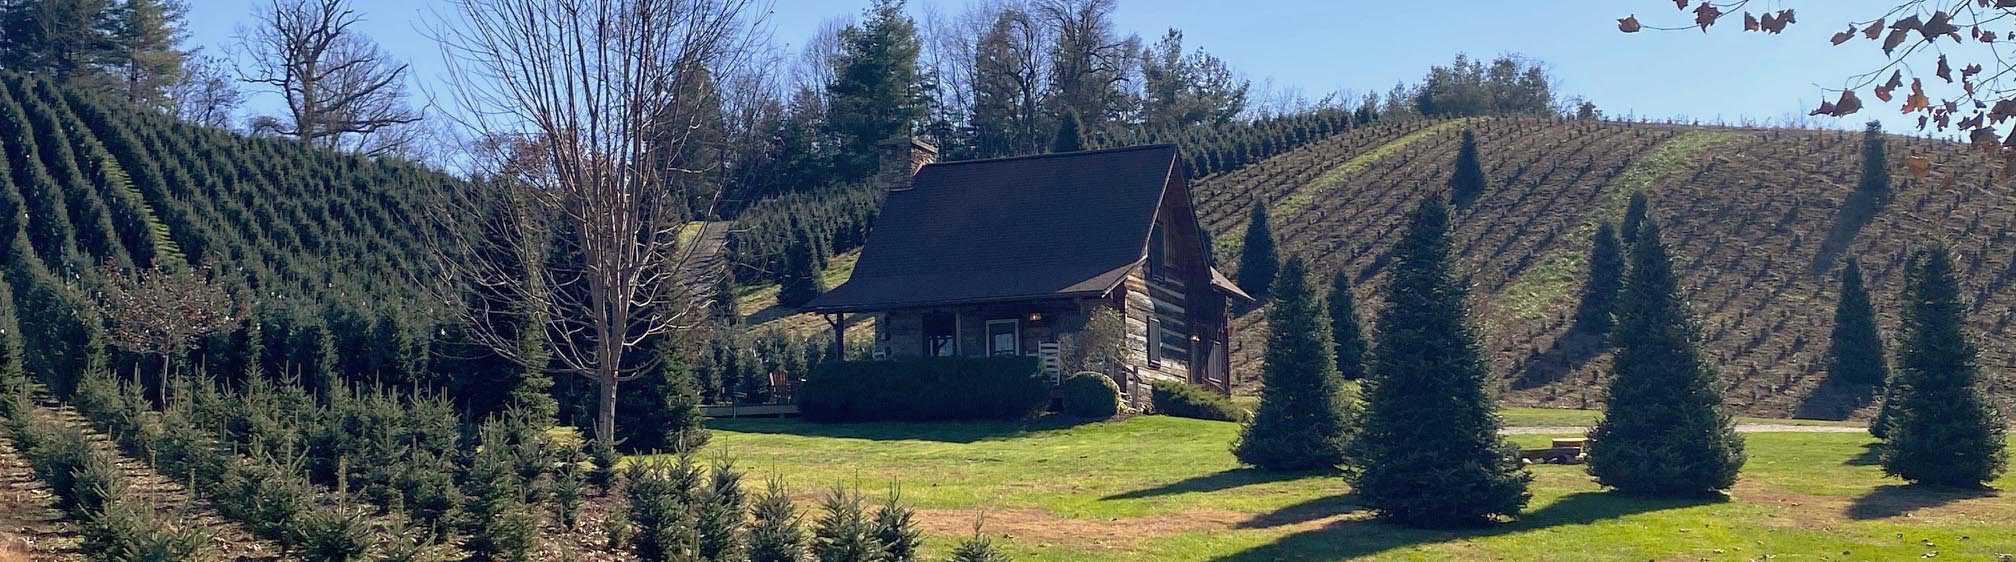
x=1186, y=400
x=1090, y=395
x=930, y=389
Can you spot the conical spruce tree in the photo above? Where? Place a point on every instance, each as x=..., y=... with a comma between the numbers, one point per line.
x=1855, y=353
x=1428, y=453
x=1347, y=338
x=1070, y=134
x=774, y=528
x=532, y=393
x=1880, y=427
x=1259, y=260
x=1596, y=312
x=1634, y=214
x=802, y=280
x=1943, y=429
x=1467, y=182
x=1663, y=431
x=1304, y=419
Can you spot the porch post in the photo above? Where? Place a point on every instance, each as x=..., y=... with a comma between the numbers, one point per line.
x=839, y=322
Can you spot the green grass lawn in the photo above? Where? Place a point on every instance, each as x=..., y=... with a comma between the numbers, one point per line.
x=1162, y=488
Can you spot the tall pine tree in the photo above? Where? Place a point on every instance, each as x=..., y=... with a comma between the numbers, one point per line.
x=1429, y=453
x=1346, y=336
x=877, y=92
x=1467, y=182
x=1855, y=353
x=1943, y=428
x=1606, y=277
x=1663, y=431
x=1259, y=260
x=1304, y=420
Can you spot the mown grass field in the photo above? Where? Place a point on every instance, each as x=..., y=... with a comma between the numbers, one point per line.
x=1162, y=488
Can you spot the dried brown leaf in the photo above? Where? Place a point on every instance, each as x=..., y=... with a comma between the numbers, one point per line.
x=1706, y=14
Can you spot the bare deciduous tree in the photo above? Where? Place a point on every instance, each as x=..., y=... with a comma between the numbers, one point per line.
x=160, y=311
x=205, y=95
x=340, y=87
x=576, y=226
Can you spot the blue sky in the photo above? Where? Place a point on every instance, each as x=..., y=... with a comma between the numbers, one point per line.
x=1320, y=46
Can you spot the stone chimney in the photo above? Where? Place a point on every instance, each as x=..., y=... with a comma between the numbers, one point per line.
x=901, y=158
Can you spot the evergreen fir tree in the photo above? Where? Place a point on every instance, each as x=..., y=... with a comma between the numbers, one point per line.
x=726, y=309
x=1596, y=312
x=1258, y=258
x=844, y=533
x=1943, y=430
x=500, y=526
x=1855, y=353
x=723, y=514
x=1467, y=182
x=1663, y=432
x=532, y=393
x=774, y=533
x=1428, y=452
x=876, y=92
x=896, y=529
x=1070, y=134
x=1347, y=338
x=679, y=415
x=1880, y=426
x=661, y=496
x=1304, y=420
x=802, y=279
x=1634, y=214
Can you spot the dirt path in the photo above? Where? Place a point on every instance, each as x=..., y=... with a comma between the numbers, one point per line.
x=30, y=525
x=177, y=504
x=1740, y=428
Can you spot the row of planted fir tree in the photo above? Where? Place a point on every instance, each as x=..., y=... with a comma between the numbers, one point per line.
x=375, y=474
x=1420, y=443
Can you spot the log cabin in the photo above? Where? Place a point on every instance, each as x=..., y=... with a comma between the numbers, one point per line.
x=1012, y=256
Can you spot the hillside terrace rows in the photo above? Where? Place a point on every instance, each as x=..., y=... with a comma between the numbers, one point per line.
x=1751, y=215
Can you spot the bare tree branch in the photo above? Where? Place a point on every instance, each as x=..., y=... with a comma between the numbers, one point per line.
x=576, y=224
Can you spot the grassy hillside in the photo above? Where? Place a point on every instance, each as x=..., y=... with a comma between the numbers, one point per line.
x=1751, y=215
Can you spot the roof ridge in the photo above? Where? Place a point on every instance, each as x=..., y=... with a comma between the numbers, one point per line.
x=1056, y=154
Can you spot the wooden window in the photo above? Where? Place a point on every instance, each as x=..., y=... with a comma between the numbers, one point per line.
x=1154, y=339
x=941, y=334
x=1004, y=337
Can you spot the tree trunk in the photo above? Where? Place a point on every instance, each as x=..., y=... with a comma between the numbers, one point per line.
x=161, y=394
x=605, y=418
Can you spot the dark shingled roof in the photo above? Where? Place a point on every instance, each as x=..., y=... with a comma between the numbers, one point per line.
x=1056, y=225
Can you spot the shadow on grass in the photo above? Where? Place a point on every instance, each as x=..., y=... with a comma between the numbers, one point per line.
x=1897, y=499
x=1871, y=455
x=1216, y=481
x=948, y=432
x=1369, y=538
